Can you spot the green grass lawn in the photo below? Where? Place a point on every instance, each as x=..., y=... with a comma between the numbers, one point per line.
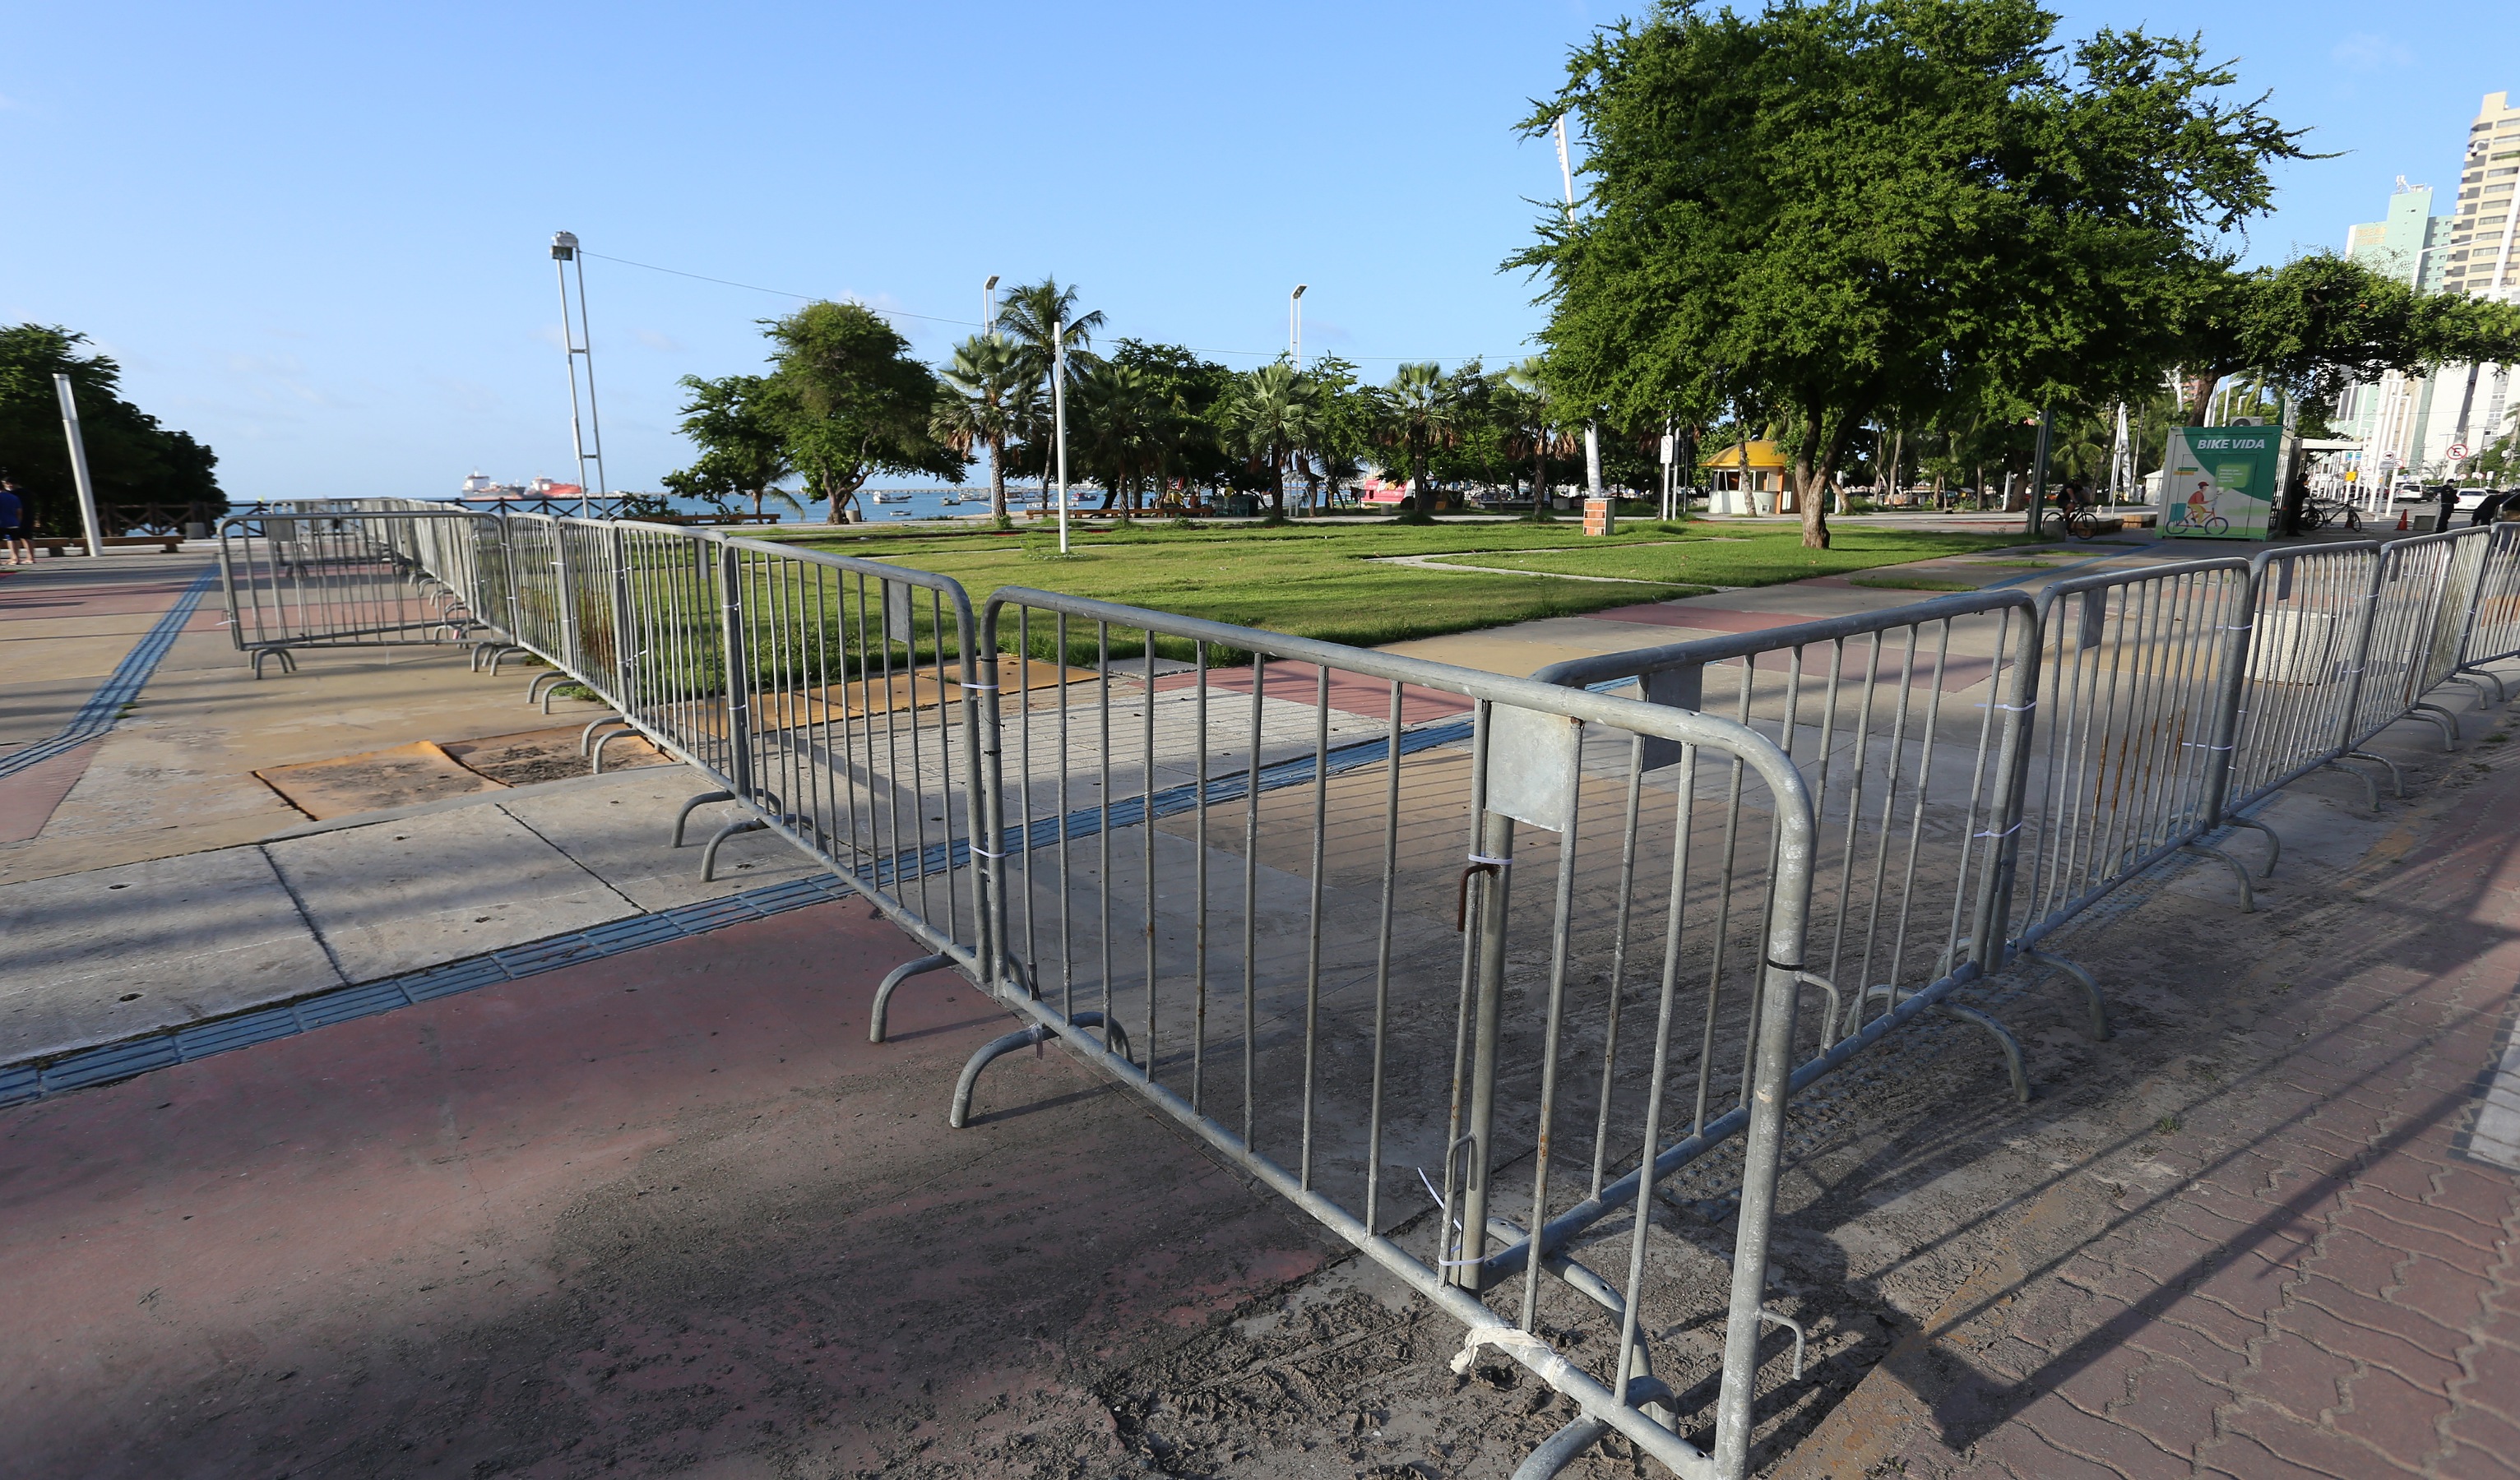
x=1322, y=581
x=1760, y=560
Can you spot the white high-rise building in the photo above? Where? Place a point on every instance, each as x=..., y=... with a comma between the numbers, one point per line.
x=2411, y=423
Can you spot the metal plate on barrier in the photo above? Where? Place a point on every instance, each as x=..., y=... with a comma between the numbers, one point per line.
x=1531, y=765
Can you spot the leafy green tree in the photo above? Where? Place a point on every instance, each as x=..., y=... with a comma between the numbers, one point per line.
x=850, y=401
x=1119, y=428
x=987, y=404
x=1830, y=206
x=132, y=457
x=2320, y=323
x=1190, y=449
x=735, y=423
x=1342, y=425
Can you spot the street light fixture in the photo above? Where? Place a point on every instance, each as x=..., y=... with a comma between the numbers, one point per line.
x=989, y=306
x=1295, y=323
x=1592, y=427
x=588, y=432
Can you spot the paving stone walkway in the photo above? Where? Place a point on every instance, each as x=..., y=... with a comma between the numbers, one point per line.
x=2322, y=1276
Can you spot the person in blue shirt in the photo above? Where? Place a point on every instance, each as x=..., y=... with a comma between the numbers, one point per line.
x=13, y=526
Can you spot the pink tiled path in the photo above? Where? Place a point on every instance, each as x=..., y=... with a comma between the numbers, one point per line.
x=2319, y=1280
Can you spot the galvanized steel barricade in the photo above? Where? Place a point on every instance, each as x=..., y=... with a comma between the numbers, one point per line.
x=1270, y=884
x=2310, y=623
x=2493, y=633
x=2420, y=604
x=1908, y=726
x=350, y=579
x=2139, y=687
x=853, y=729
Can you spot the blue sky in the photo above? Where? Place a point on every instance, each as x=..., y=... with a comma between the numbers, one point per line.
x=316, y=236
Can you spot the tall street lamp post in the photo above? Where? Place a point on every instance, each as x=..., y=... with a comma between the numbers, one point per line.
x=1295, y=324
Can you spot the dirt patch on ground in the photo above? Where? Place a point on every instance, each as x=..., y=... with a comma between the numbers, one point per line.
x=548, y=756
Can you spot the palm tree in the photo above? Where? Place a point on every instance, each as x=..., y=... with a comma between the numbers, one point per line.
x=984, y=405
x=1031, y=315
x=1527, y=407
x=1416, y=417
x=1269, y=419
x=1117, y=415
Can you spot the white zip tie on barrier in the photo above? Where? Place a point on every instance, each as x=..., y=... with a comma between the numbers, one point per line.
x=2200, y=746
x=2006, y=833
x=985, y=853
x=2014, y=708
x=992, y=688
x=1510, y=1339
x=1444, y=1219
x=1501, y=863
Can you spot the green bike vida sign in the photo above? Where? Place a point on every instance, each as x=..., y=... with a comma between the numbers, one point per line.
x=2219, y=482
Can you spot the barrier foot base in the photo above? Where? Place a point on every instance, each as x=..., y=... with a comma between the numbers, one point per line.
x=2500, y=694
x=2274, y=844
x=2397, y=777
x=1567, y=1446
x=2016, y=1063
x=701, y=800
x=899, y=975
x=2095, y=1007
x=534, y=691
x=586, y=737
x=2470, y=680
x=1561, y=1449
x=602, y=740
x=2439, y=716
x=2248, y=896
x=708, y=855
x=287, y=664
x=998, y=1047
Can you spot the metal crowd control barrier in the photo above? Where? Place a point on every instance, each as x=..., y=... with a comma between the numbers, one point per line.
x=2492, y=634
x=853, y=732
x=2420, y=591
x=349, y=579
x=2138, y=681
x=1908, y=725
x=1229, y=866
x=2309, y=623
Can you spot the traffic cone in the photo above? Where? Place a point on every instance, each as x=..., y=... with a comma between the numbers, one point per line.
x=2402, y=519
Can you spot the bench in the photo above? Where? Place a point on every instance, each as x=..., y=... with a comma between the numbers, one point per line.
x=169, y=543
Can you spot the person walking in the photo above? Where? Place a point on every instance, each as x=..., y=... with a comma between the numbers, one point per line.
x=2449, y=505
x=14, y=540
x=2296, y=497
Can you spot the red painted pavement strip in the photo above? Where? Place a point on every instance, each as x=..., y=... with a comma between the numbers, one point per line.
x=1350, y=692
x=2331, y=1288
x=154, y=591
x=29, y=798
x=663, y=1209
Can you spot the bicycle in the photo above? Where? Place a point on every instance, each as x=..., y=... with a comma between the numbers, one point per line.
x=2081, y=522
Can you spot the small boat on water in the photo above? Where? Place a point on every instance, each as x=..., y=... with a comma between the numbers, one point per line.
x=891, y=498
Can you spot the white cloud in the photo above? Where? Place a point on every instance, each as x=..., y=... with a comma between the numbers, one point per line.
x=2364, y=52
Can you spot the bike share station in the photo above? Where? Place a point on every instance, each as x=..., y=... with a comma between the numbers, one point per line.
x=2220, y=483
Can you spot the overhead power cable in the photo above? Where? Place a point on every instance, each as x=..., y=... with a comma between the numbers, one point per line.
x=929, y=318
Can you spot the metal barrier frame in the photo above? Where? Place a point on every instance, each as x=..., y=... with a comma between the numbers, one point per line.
x=1773, y=1031
x=415, y=552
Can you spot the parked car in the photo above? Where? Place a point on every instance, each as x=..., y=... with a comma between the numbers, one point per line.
x=2469, y=498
